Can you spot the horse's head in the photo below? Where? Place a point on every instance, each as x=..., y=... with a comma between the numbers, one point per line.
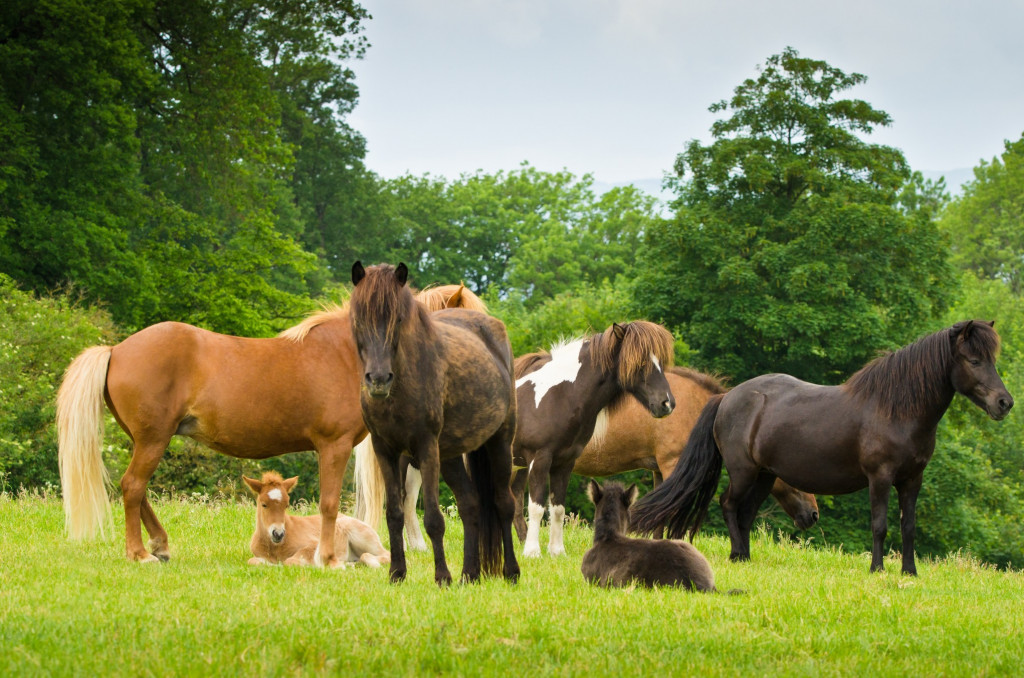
x=639, y=353
x=802, y=507
x=611, y=507
x=380, y=304
x=975, y=347
x=271, y=503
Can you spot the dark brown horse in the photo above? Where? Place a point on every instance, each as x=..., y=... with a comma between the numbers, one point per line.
x=248, y=398
x=564, y=399
x=877, y=430
x=436, y=387
x=616, y=559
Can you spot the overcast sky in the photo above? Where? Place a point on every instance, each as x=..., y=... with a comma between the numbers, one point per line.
x=615, y=88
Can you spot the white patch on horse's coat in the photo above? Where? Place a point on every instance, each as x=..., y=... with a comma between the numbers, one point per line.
x=555, y=545
x=564, y=366
x=274, y=494
x=531, y=547
x=317, y=560
x=600, y=426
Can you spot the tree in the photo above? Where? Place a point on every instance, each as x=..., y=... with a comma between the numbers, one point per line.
x=789, y=249
x=986, y=223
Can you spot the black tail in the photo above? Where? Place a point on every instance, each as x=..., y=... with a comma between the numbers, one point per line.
x=491, y=551
x=681, y=502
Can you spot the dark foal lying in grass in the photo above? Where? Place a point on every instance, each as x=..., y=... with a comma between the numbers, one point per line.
x=618, y=560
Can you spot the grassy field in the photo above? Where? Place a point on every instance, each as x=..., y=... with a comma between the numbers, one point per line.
x=83, y=609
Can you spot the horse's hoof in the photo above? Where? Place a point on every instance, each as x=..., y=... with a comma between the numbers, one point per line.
x=397, y=577
x=164, y=557
x=555, y=552
x=443, y=581
x=148, y=558
x=530, y=552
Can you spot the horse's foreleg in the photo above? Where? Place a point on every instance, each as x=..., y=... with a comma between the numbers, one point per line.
x=388, y=463
x=749, y=507
x=878, y=490
x=540, y=467
x=454, y=471
x=136, y=477
x=333, y=461
x=433, y=520
x=158, y=545
x=518, y=486
x=413, y=482
x=907, y=492
x=559, y=490
x=732, y=500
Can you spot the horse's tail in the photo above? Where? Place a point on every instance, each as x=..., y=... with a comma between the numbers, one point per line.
x=681, y=501
x=370, y=490
x=83, y=477
x=491, y=550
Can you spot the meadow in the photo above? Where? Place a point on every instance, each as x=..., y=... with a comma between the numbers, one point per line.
x=82, y=609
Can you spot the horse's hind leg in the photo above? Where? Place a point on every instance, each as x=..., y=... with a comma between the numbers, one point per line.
x=133, y=488
x=413, y=483
x=538, y=481
x=518, y=486
x=499, y=448
x=559, y=490
x=158, y=545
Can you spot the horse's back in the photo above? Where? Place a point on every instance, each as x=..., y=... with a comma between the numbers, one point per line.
x=650, y=562
x=791, y=427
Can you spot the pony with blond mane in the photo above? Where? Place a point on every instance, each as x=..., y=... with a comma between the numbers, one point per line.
x=293, y=540
x=247, y=398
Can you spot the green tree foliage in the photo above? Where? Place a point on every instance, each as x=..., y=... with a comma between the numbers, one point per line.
x=790, y=250
x=986, y=223
x=526, y=234
x=166, y=156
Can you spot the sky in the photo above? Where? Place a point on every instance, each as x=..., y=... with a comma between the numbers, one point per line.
x=616, y=88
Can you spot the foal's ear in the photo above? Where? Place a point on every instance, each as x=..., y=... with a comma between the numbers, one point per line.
x=618, y=330
x=629, y=496
x=594, y=491
x=991, y=323
x=402, y=274
x=358, y=272
x=255, y=486
x=290, y=484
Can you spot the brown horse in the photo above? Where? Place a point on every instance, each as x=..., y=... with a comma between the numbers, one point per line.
x=564, y=399
x=295, y=540
x=248, y=398
x=877, y=430
x=437, y=387
x=634, y=440
x=616, y=559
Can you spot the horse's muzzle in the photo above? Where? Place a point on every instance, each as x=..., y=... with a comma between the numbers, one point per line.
x=1002, y=407
x=277, y=535
x=377, y=386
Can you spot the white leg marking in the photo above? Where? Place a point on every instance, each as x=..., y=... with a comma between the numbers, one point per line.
x=531, y=548
x=413, y=481
x=317, y=560
x=555, y=545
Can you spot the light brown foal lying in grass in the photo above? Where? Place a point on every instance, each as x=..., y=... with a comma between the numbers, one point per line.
x=294, y=540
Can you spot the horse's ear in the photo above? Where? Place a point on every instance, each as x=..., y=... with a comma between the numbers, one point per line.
x=992, y=323
x=594, y=491
x=290, y=484
x=255, y=486
x=402, y=274
x=629, y=496
x=358, y=272
x=455, y=300
x=618, y=330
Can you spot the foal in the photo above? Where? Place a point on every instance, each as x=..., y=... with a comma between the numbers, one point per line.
x=618, y=560
x=295, y=540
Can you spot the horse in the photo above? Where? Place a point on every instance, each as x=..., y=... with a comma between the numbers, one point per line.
x=293, y=540
x=565, y=397
x=247, y=398
x=876, y=430
x=636, y=441
x=437, y=387
x=618, y=560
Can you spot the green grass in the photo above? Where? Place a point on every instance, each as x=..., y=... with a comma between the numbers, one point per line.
x=69, y=608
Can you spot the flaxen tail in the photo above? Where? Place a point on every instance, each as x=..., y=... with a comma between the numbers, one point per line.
x=370, y=491
x=83, y=477
x=681, y=502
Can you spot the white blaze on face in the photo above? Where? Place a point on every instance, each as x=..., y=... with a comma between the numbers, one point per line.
x=564, y=367
x=274, y=494
x=657, y=363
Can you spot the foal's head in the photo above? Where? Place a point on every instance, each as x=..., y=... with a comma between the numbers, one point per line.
x=380, y=303
x=975, y=346
x=638, y=353
x=271, y=503
x=611, y=507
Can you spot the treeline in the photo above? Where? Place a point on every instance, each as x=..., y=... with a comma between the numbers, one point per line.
x=192, y=161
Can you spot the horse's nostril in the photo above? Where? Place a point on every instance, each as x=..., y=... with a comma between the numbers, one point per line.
x=814, y=516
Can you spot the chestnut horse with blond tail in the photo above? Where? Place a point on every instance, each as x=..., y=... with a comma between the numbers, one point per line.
x=247, y=398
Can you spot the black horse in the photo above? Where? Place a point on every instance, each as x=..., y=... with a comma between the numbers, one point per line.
x=438, y=386
x=877, y=430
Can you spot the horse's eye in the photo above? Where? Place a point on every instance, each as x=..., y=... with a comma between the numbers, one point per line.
x=974, y=362
x=263, y=505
